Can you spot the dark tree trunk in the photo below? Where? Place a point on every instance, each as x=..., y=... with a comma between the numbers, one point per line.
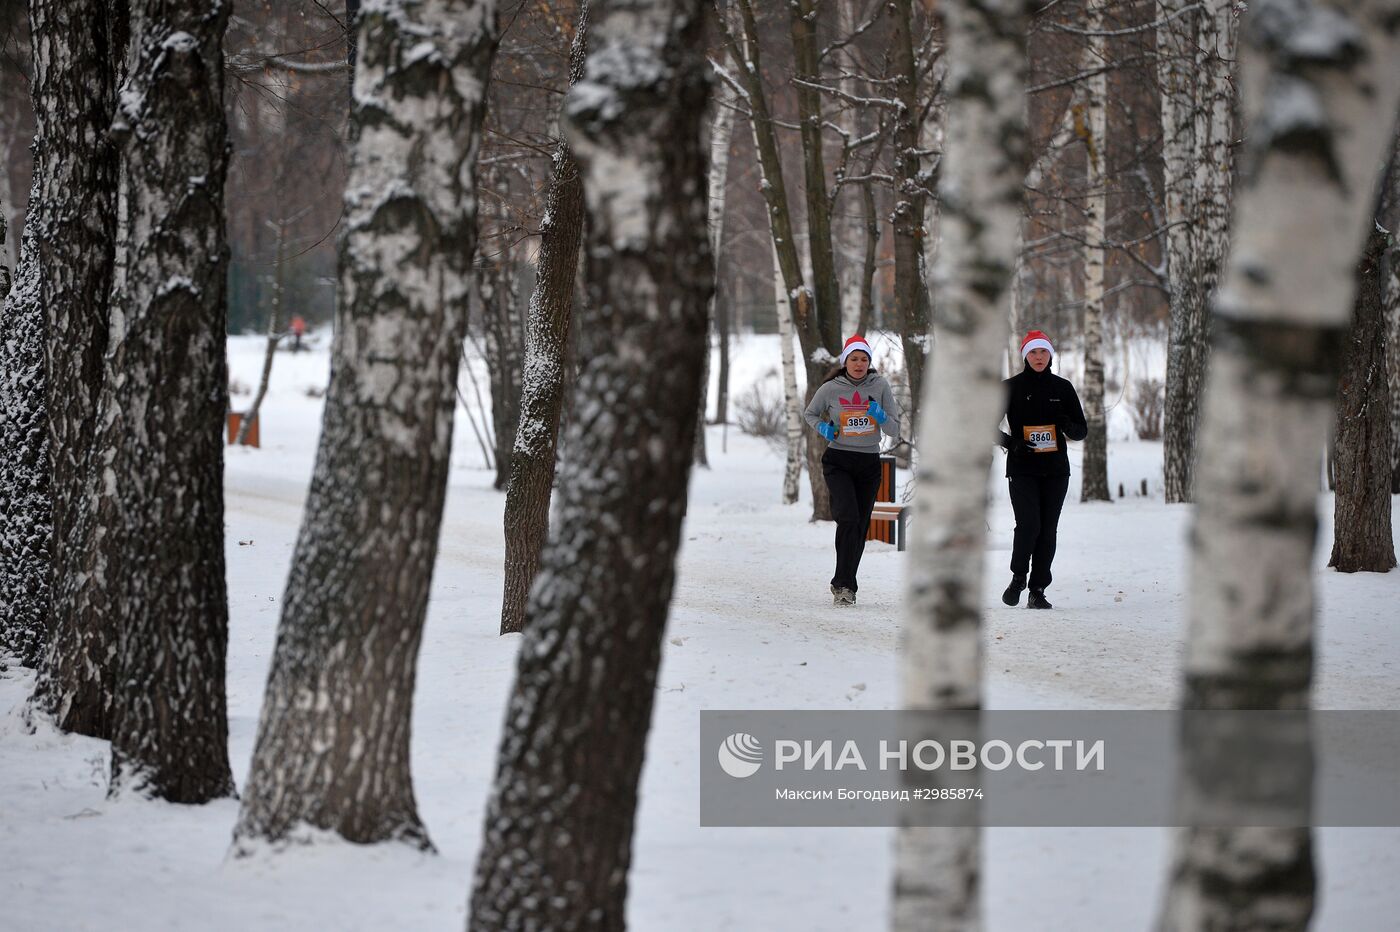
x=702, y=458
x=1362, y=540
x=4, y=250
x=910, y=296
x=25, y=520
x=1390, y=305
x=274, y=320
x=505, y=347
x=161, y=411
x=872, y=258
x=333, y=742
x=807, y=72
x=547, y=350
x=558, y=833
x=532, y=466
x=352, y=31
x=723, y=315
x=78, y=46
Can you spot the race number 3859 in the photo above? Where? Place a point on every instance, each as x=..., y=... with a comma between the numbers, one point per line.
x=1041, y=438
x=854, y=424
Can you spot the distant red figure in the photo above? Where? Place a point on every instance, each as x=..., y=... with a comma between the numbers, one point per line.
x=298, y=331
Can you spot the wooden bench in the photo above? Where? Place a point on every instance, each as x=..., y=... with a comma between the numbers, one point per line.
x=895, y=520
x=889, y=519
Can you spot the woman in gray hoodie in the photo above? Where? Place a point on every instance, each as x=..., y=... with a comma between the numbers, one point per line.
x=851, y=409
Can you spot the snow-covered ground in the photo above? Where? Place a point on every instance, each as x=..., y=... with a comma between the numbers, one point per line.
x=751, y=627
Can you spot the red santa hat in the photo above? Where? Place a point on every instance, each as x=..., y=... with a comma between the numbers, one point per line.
x=1036, y=339
x=856, y=342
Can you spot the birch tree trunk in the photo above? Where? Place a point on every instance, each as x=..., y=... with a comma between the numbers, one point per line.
x=1362, y=540
x=819, y=346
x=721, y=132
x=546, y=352
x=1094, y=473
x=1215, y=138
x=937, y=881
x=25, y=515
x=333, y=741
x=558, y=833
x=160, y=412
x=1196, y=49
x=1176, y=40
x=792, y=403
x=1321, y=92
x=77, y=50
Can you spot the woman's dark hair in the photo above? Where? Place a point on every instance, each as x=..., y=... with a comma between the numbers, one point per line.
x=841, y=370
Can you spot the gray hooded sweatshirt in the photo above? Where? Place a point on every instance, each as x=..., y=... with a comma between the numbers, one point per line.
x=844, y=403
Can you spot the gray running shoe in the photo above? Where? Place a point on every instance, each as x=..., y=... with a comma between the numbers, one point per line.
x=844, y=597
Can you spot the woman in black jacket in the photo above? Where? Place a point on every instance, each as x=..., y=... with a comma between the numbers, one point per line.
x=1043, y=412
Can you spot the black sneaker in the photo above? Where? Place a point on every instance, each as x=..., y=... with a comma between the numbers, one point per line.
x=1037, y=599
x=1012, y=595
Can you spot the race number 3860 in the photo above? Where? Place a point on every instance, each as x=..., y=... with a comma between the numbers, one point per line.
x=1041, y=438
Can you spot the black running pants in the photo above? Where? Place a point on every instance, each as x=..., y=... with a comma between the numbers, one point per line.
x=853, y=479
x=1037, y=501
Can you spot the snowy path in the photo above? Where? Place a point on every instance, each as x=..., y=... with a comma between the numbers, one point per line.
x=751, y=627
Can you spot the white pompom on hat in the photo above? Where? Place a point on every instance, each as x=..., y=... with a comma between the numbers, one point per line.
x=1036, y=339
x=856, y=342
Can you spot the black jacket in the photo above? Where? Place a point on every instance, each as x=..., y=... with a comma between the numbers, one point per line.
x=1043, y=412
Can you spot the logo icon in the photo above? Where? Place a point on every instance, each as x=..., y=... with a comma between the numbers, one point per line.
x=740, y=755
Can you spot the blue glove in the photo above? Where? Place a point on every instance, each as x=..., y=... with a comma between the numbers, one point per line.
x=827, y=430
x=877, y=412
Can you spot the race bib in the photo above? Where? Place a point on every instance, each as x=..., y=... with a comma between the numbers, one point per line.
x=1041, y=439
x=857, y=424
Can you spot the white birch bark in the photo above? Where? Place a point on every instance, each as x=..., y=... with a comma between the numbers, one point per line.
x=721, y=133
x=157, y=479
x=1175, y=41
x=792, y=401
x=77, y=49
x=26, y=522
x=1094, y=474
x=1321, y=90
x=1196, y=57
x=1214, y=137
x=937, y=878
